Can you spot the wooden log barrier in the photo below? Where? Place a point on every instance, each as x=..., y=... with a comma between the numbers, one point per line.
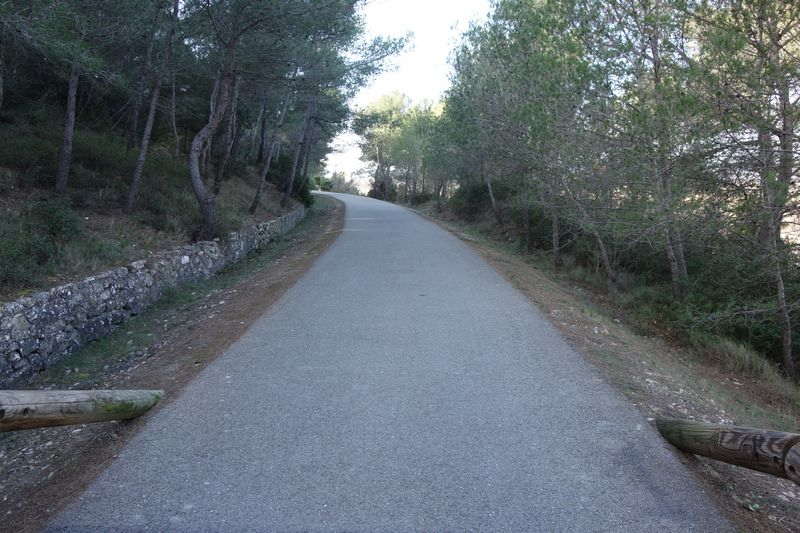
x=773, y=452
x=27, y=409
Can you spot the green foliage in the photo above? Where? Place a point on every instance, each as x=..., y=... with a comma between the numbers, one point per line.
x=31, y=242
x=304, y=194
x=31, y=153
x=53, y=217
x=648, y=137
x=106, y=156
x=470, y=201
x=421, y=198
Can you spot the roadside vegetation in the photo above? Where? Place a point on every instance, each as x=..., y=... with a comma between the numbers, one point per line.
x=338, y=182
x=128, y=126
x=647, y=149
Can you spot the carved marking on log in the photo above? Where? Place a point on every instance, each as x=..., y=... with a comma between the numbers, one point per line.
x=772, y=452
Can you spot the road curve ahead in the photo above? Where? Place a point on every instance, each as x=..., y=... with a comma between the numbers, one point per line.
x=402, y=384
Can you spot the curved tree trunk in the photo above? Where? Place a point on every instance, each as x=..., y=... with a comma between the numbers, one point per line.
x=65, y=153
x=205, y=199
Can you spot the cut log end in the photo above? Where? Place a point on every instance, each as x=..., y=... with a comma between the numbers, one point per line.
x=35, y=409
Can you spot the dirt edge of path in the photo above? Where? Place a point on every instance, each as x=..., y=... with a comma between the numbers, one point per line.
x=46, y=469
x=658, y=378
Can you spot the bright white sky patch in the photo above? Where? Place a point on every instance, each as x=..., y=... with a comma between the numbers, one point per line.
x=421, y=70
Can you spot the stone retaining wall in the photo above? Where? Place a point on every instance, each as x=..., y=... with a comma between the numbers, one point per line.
x=40, y=330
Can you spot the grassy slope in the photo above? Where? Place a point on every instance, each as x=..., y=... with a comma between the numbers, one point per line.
x=662, y=374
x=46, y=241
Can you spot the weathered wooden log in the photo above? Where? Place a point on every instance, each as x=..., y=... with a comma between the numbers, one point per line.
x=27, y=409
x=773, y=452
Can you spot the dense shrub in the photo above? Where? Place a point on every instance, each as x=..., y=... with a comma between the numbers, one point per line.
x=421, y=198
x=470, y=201
x=31, y=242
x=304, y=194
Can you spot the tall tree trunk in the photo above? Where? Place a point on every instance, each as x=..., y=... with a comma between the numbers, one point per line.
x=678, y=287
x=605, y=259
x=783, y=313
x=381, y=186
x=259, y=136
x=166, y=64
x=141, y=86
x=488, y=181
x=65, y=153
x=662, y=174
x=302, y=139
x=170, y=60
x=307, y=160
x=287, y=192
x=555, y=237
x=786, y=159
x=136, y=181
x=272, y=148
x=230, y=138
x=206, y=200
x=774, y=205
x=2, y=73
x=680, y=255
x=173, y=118
x=212, y=109
x=529, y=215
x=784, y=317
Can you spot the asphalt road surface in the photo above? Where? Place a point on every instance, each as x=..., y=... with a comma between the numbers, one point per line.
x=401, y=384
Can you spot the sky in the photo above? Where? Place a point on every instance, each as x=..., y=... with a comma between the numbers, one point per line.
x=421, y=71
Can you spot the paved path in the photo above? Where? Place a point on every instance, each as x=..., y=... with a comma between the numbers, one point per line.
x=402, y=384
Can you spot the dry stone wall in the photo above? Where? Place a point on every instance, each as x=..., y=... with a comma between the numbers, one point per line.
x=40, y=330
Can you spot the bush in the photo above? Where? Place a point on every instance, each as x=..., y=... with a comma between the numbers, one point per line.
x=421, y=198
x=30, y=243
x=23, y=256
x=304, y=194
x=106, y=155
x=55, y=218
x=31, y=155
x=470, y=201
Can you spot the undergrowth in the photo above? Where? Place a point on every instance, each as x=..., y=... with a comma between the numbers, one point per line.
x=650, y=309
x=46, y=240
